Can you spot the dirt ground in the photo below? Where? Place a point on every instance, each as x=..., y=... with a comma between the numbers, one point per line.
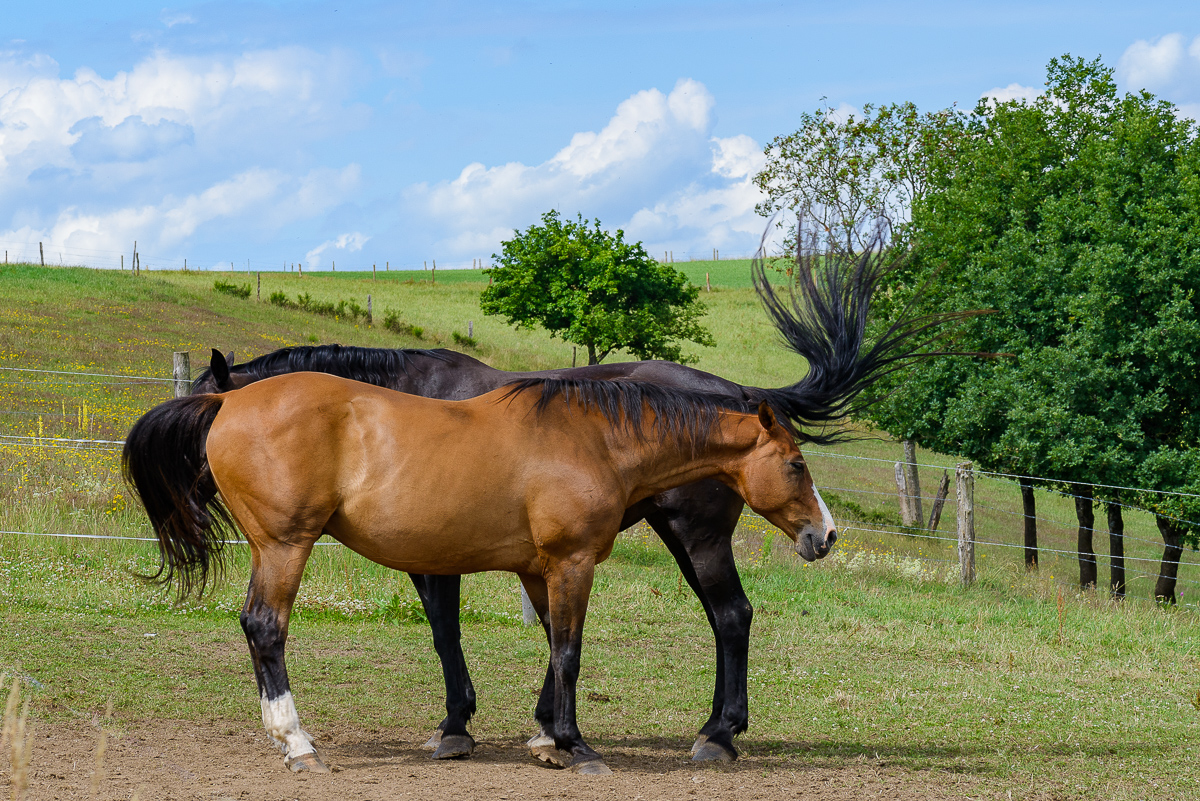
x=217, y=762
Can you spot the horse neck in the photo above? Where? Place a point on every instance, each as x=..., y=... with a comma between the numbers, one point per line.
x=663, y=465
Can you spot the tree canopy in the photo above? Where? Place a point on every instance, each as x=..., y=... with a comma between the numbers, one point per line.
x=1074, y=217
x=595, y=290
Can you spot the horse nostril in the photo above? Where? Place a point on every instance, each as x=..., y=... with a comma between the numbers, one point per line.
x=830, y=537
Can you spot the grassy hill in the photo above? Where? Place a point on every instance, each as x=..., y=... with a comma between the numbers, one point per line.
x=873, y=654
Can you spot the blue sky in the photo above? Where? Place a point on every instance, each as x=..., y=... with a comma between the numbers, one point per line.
x=283, y=132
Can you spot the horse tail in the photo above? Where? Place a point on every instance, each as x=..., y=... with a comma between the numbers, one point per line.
x=165, y=462
x=824, y=319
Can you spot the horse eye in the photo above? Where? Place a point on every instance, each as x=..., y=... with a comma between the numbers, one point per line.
x=797, y=464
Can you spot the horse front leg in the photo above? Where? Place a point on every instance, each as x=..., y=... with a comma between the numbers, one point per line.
x=696, y=523
x=440, y=597
x=568, y=586
x=274, y=580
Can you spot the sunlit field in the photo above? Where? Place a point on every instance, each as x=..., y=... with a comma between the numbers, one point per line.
x=875, y=653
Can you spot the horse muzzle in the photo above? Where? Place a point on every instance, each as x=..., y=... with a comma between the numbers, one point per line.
x=815, y=542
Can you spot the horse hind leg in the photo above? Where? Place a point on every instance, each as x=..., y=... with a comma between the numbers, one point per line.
x=274, y=581
x=541, y=745
x=696, y=523
x=440, y=597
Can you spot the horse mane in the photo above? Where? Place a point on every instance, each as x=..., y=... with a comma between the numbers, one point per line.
x=824, y=319
x=686, y=416
x=377, y=366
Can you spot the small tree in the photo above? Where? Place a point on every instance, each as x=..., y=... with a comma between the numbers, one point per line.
x=595, y=290
x=854, y=178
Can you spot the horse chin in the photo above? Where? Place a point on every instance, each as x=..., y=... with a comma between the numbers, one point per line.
x=804, y=547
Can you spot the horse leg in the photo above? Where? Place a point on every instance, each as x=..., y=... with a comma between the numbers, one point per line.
x=274, y=581
x=568, y=586
x=541, y=745
x=696, y=523
x=440, y=597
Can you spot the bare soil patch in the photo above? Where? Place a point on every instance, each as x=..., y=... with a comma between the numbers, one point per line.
x=219, y=761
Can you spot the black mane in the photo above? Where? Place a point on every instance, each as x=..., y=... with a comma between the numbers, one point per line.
x=378, y=366
x=685, y=416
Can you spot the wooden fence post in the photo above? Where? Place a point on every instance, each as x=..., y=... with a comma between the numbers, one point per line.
x=902, y=492
x=258, y=292
x=528, y=613
x=964, y=479
x=182, y=373
x=707, y=283
x=370, y=317
x=42, y=254
x=912, y=481
x=470, y=329
x=935, y=514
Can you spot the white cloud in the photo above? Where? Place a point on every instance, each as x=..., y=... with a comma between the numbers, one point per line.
x=1014, y=91
x=351, y=243
x=655, y=146
x=1152, y=65
x=1168, y=66
x=737, y=157
x=258, y=199
x=222, y=99
x=177, y=18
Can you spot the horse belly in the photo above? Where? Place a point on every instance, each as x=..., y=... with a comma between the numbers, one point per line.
x=424, y=533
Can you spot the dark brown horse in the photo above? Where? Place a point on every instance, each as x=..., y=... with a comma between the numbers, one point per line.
x=824, y=324
x=534, y=479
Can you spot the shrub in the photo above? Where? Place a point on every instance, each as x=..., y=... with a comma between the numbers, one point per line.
x=392, y=322
x=230, y=288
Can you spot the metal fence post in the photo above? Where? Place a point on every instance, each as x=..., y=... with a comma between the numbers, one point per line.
x=182, y=373
x=964, y=480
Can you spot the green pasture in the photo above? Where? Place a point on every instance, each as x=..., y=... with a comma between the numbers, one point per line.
x=874, y=653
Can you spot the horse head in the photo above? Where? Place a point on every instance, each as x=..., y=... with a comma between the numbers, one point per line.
x=777, y=483
x=218, y=377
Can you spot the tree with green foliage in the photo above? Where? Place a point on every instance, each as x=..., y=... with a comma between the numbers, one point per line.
x=848, y=178
x=1074, y=217
x=595, y=290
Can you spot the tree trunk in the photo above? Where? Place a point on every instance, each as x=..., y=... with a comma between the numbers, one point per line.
x=1116, y=549
x=592, y=354
x=1168, y=571
x=1087, y=521
x=1030, y=510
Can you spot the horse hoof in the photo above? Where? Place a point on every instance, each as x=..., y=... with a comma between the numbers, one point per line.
x=701, y=740
x=310, y=763
x=541, y=739
x=454, y=746
x=592, y=767
x=709, y=751
x=434, y=740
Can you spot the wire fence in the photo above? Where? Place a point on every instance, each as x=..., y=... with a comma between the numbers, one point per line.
x=64, y=255
x=999, y=516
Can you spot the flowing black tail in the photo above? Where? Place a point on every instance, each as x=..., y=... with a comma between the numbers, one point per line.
x=824, y=320
x=165, y=463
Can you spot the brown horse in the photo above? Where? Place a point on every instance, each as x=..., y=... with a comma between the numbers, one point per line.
x=533, y=479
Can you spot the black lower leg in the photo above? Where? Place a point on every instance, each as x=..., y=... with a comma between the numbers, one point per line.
x=440, y=598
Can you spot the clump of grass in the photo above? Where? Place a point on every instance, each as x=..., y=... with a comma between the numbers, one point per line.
x=462, y=339
x=229, y=288
x=343, y=309
x=15, y=736
x=392, y=322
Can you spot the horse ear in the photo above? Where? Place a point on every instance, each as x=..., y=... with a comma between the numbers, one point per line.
x=766, y=416
x=220, y=370
x=229, y=358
